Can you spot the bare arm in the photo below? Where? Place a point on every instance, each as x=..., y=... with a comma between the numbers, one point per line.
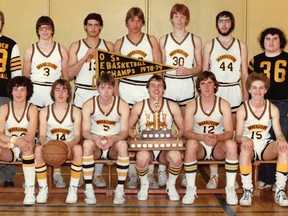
x=240, y=116
x=27, y=62
x=227, y=122
x=244, y=67
x=162, y=48
x=133, y=119
x=206, y=55
x=64, y=62
x=177, y=117
x=157, y=57
x=77, y=116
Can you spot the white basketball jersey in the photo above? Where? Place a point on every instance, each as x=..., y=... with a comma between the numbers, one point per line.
x=106, y=124
x=226, y=63
x=257, y=128
x=147, y=113
x=88, y=69
x=211, y=123
x=142, y=50
x=46, y=68
x=179, y=54
x=15, y=127
x=60, y=129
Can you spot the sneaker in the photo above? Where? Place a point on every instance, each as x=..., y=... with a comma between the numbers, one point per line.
x=8, y=184
x=143, y=192
x=213, y=182
x=42, y=195
x=274, y=188
x=231, y=196
x=99, y=182
x=190, y=195
x=280, y=196
x=89, y=197
x=133, y=182
x=59, y=181
x=72, y=195
x=236, y=185
x=152, y=183
x=261, y=185
x=119, y=196
x=172, y=193
x=29, y=198
x=246, y=199
x=162, y=178
x=184, y=181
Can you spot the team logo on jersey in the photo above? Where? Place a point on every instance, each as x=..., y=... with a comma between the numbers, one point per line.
x=46, y=64
x=226, y=56
x=179, y=51
x=137, y=52
x=208, y=122
x=104, y=121
x=257, y=127
x=17, y=129
x=60, y=130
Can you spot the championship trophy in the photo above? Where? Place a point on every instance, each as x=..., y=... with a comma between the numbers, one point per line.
x=156, y=136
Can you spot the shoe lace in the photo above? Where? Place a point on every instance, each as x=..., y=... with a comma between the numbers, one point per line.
x=281, y=193
x=247, y=194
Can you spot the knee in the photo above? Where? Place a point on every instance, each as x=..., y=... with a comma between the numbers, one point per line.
x=77, y=150
x=231, y=146
x=142, y=159
x=190, y=145
x=175, y=158
x=88, y=147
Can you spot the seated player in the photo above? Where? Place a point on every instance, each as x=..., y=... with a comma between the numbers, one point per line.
x=19, y=121
x=156, y=87
x=60, y=121
x=254, y=120
x=209, y=132
x=105, y=130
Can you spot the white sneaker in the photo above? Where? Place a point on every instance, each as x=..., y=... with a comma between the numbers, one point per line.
x=99, y=182
x=213, y=182
x=184, y=181
x=246, y=199
x=119, y=196
x=42, y=195
x=133, y=182
x=172, y=193
x=59, y=181
x=143, y=192
x=152, y=183
x=236, y=185
x=280, y=197
x=261, y=185
x=29, y=198
x=89, y=197
x=162, y=178
x=231, y=196
x=190, y=195
x=72, y=195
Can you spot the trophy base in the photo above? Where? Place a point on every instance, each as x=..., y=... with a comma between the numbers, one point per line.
x=157, y=134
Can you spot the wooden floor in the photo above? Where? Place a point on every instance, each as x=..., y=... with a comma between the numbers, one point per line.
x=11, y=203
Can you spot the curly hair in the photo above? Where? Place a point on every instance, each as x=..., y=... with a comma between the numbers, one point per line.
x=20, y=81
x=273, y=31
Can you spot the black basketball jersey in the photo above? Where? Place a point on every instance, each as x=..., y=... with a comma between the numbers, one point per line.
x=276, y=69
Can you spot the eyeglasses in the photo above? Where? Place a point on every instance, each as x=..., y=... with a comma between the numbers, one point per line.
x=45, y=27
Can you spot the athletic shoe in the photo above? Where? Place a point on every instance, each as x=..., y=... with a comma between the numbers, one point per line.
x=8, y=184
x=184, y=181
x=162, y=178
x=231, y=196
x=29, y=198
x=89, y=197
x=172, y=193
x=72, y=195
x=190, y=195
x=59, y=181
x=280, y=196
x=99, y=182
x=213, y=182
x=42, y=195
x=152, y=183
x=143, y=192
x=133, y=182
x=119, y=196
x=274, y=188
x=236, y=185
x=246, y=199
x=261, y=185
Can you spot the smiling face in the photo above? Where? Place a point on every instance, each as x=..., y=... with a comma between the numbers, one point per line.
x=45, y=32
x=257, y=90
x=19, y=94
x=179, y=20
x=156, y=88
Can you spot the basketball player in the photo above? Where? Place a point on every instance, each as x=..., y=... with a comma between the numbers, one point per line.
x=273, y=62
x=60, y=121
x=105, y=130
x=19, y=121
x=156, y=87
x=209, y=132
x=182, y=50
x=254, y=120
x=137, y=44
x=226, y=56
x=10, y=66
x=81, y=66
x=44, y=62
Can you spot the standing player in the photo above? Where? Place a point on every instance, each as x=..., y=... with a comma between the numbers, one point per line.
x=226, y=56
x=254, y=120
x=156, y=87
x=10, y=66
x=19, y=121
x=273, y=62
x=182, y=50
x=209, y=132
x=81, y=66
x=60, y=121
x=137, y=44
x=44, y=62
x=105, y=130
